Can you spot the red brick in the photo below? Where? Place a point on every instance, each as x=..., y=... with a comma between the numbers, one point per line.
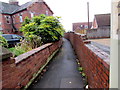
x=91, y=62
x=23, y=71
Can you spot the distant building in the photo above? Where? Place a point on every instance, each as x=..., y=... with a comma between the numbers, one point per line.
x=100, y=27
x=12, y=15
x=81, y=27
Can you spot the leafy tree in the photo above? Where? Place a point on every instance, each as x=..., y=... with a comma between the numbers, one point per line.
x=47, y=27
x=3, y=42
x=38, y=19
x=26, y=21
x=1, y=32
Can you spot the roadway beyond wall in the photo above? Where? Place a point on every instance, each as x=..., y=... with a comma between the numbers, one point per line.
x=19, y=72
x=94, y=61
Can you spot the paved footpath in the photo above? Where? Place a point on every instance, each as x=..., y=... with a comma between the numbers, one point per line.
x=62, y=71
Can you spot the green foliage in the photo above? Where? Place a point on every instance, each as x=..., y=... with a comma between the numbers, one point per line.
x=83, y=75
x=47, y=27
x=3, y=42
x=30, y=42
x=33, y=41
x=38, y=30
x=1, y=32
x=26, y=21
x=17, y=51
x=29, y=29
x=38, y=19
x=80, y=69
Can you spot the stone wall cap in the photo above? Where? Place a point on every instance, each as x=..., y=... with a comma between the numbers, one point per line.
x=100, y=53
x=29, y=53
x=5, y=53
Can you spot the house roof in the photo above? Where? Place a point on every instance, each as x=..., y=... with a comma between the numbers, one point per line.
x=103, y=19
x=22, y=7
x=7, y=8
x=77, y=26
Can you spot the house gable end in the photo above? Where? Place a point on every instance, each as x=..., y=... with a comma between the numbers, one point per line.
x=94, y=24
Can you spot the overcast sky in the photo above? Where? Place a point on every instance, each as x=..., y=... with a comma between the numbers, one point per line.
x=73, y=11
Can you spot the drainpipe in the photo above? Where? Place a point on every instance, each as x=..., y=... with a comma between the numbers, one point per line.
x=13, y=27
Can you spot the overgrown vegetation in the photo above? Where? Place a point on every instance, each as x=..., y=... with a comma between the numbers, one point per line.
x=1, y=32
x=3, y=42
x=37, y=31
x=80, y=69
x=47, y=27
x=17, y=51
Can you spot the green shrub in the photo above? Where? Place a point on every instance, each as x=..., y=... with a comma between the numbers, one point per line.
x=17, y=51
x=83, y=74
x=37, y=31
x=26, y=21
x=3, y=42
x=30, y=42
x=80, y=69
x=1, y=32
x=47, y=27
x=33, y=41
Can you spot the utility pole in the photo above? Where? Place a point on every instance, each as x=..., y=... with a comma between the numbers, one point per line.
x=88, y=17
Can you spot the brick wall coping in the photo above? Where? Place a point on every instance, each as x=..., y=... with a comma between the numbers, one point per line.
x=4, y=53
x=22, y=57
x=103, y=55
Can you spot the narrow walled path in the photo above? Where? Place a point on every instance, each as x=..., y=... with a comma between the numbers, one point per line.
x=62, y=71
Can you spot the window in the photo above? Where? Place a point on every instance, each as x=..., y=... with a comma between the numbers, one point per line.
x=32, y=14
x=0, y=26
x=46, y=12
x=21, y=18
x=81, y=25
x=86, y=26
x=8, y=19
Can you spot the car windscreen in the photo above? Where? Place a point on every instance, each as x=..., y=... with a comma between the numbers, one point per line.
x=7, y=36
x=16, y=37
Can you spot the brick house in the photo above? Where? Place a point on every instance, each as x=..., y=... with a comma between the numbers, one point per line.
x=12, y=14
x=81, y=27
x=100, y=27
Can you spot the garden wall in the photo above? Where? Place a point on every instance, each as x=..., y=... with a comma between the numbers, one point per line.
x=101, y=32
x=94, y=61
x=17, y=72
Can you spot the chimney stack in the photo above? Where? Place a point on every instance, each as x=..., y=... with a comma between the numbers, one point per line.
x=13, y=2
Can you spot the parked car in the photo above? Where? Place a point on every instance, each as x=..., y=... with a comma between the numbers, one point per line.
x=12, y=39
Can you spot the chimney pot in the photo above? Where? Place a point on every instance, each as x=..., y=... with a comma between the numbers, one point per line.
x=13, y=2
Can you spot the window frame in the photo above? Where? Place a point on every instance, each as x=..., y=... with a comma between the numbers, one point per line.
x=7, y=19
x=21, y=17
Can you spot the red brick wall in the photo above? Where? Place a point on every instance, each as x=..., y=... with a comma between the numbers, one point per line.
x=40, y=8
x=0, y=22
x=16, y=20
x=96, y=69
x=16, y=73
x=7, y=28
